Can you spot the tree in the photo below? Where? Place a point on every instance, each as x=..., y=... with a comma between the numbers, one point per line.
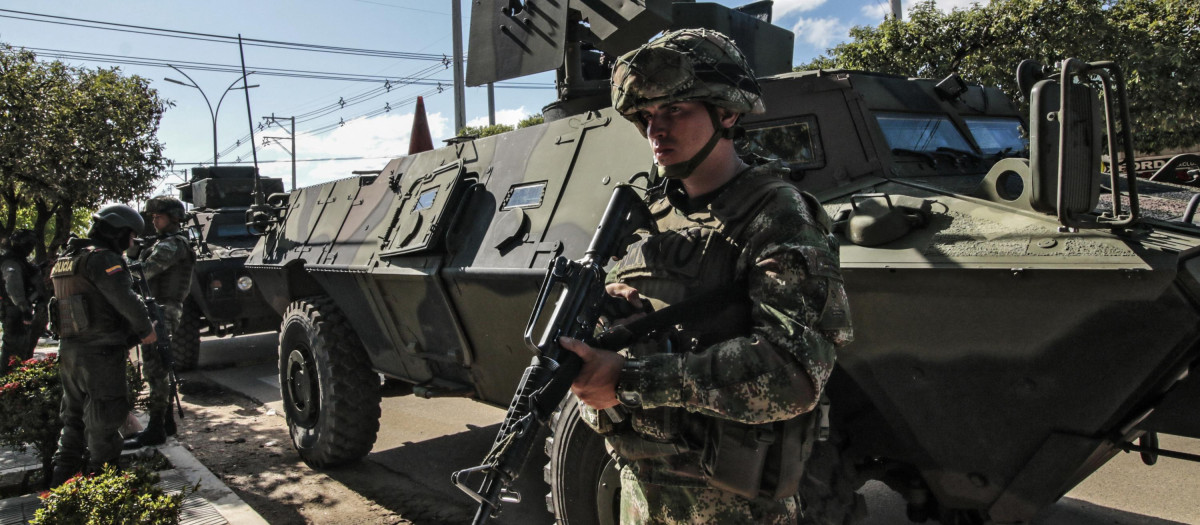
x=71, y=139
x=1155, y=42
x=496, y=129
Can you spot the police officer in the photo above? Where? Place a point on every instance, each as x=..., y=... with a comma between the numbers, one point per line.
x=98, y=318
x=168, y=267
x=18, y=296
x=720, y=410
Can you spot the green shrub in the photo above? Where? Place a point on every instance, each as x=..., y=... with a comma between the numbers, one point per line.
x=30, y=398
x=111, y=497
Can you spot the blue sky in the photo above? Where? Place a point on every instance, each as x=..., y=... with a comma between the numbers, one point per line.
x=418, y=27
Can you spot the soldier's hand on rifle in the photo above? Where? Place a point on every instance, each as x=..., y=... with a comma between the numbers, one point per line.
x=150, y=339
x=596, y=384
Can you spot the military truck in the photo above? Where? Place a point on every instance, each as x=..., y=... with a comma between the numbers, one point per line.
x=223, y=299
x=1020, y=318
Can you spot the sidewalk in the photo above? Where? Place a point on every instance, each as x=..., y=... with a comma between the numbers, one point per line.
x=212, y=504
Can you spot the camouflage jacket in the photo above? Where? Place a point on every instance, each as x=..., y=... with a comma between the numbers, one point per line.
x=168, y=266
x=764, y=361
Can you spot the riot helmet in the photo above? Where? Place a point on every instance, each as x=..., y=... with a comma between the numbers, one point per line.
x=21, y=242
x=113, y=225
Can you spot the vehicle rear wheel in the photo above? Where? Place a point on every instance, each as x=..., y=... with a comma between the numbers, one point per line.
x=585, y=485
x=330, y=394
x=185, y=342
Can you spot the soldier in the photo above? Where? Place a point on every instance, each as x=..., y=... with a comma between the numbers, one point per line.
x=17, y=297
x=168, y=267
x=98, y=318
x=720, y=410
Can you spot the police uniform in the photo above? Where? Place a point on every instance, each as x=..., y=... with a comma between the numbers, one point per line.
x=168, y=267
x=721, y=408
x=16, y=306
x=98, y=316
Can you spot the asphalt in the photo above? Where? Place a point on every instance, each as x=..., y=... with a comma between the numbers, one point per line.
x=213, y=503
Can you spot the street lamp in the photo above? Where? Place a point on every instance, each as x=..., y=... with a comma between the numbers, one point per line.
x=211, y=111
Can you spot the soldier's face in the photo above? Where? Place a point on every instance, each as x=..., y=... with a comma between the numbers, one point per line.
x=160, y=221
x=677, y=131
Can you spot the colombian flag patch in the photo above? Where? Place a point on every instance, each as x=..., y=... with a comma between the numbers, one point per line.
x=113, y=270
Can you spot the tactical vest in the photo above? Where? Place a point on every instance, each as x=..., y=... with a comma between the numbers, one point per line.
x=173, y=284
x=83, y=312
x=689, y=255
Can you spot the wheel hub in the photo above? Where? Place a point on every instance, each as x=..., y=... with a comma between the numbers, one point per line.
x=303, y=402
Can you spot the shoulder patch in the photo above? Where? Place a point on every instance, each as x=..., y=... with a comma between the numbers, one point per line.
x=113, y=270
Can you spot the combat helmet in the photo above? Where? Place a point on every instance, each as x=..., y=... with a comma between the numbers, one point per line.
x=697, y=65
x=684, y=65
x=166, y=205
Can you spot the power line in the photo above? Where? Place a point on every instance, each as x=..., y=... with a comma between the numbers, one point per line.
x=209, y=37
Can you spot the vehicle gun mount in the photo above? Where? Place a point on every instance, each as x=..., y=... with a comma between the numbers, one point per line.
x=514, y=38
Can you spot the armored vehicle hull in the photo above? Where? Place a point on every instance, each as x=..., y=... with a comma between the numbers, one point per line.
x=1014, y=329
x=223, y=299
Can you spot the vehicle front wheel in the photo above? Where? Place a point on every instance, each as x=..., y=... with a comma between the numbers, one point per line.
x=585, y=485
x=185, y=343
x=330, y=394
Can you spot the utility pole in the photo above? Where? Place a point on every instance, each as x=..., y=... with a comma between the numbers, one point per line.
x=897, y=14
x=491, y=104
x=460, y=101
x=291, y=134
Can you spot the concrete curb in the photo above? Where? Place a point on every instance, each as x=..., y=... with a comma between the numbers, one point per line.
x=212, y=489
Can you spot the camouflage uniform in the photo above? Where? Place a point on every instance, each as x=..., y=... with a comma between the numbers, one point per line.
x=98, y=317
x=168, y=266
x=20, y=280
x=747, y=365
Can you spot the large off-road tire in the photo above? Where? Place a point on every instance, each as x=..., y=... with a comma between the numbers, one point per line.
x=828, y=488
x=185, y=342
x=330, y=394
x=585, y=485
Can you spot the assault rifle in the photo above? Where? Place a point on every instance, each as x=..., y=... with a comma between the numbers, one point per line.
x=163, y=344
x=549, y=376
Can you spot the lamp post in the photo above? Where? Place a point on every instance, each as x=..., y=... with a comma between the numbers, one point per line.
x=211, y=111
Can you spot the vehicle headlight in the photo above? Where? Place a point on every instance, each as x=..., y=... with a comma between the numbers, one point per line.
x=245, y=283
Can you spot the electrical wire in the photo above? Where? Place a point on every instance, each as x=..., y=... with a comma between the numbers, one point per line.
x=209, y=37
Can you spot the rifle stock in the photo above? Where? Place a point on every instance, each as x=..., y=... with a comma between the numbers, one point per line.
x=581, y=295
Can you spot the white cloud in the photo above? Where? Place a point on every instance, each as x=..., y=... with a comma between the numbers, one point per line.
x=503, y=116
x=785, y=7
x=377, y=139
x=877, y=11
x=821, y=32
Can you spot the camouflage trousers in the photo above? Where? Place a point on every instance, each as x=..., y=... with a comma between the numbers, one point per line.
x=652, y=504
x=154, y=370
x=16, y=340
x=94, y=404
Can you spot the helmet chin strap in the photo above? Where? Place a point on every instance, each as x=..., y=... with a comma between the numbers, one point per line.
x=683, y=170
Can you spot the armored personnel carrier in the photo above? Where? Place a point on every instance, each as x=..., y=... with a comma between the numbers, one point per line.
x=1020, y=318
x=223, y=299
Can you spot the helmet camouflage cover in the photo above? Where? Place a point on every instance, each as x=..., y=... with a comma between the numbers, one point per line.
x=166, y=205
x=685, y=65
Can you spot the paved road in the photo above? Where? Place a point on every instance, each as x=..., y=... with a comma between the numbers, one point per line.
x=427, y=439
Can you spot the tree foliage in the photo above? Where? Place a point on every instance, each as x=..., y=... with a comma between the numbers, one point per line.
x=1155, y=42
x=70, y=139
x=496, y=129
